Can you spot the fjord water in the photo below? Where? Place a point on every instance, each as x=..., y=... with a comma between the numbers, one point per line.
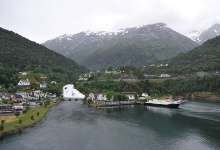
x=75, y=126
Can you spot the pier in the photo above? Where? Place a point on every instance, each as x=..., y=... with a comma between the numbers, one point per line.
x=117, y=103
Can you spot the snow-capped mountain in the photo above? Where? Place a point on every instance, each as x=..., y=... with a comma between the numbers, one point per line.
x=131, y=46
x=203, y=35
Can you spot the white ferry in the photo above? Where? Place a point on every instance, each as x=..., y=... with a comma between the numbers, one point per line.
x=163, y=103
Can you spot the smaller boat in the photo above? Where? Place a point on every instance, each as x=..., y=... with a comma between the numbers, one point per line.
x=163, y=103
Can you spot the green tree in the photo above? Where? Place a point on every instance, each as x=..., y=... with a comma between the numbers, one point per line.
x=155, y=93
x=2, y=121
x=110, y=68
x=1, y=128
x=20, y=122
x=17, y=113
x=24, y=111
x=109, y=95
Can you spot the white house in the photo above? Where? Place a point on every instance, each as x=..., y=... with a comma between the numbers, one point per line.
x=18, y=107
x=43, y=85
x=38, y=93
x=23, y=94
x=82, y=78
x=145, y=95
x=51, y=95
x=6, y=96
x=130, y=95
x=91, y=96
x=23, y=73
x=112, y=72
x=24, y=82
x=165, y=76
x=85, y=77
x=32, y=102
x=101, y=97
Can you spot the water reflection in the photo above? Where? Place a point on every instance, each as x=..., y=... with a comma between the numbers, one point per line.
x=160, y=110
x=73, y=125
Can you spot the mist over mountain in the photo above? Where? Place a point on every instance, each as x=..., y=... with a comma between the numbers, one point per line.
x=131, y=46
x=205, y=34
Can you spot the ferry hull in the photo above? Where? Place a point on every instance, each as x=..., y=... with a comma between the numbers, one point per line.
x=162, y=105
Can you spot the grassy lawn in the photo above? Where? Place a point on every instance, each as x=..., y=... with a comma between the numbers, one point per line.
x=158, y=80
x=11, y=122
x=31, y=78
x=110, y=76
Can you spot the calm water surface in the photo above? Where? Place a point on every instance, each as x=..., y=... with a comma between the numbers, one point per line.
x=74, y=126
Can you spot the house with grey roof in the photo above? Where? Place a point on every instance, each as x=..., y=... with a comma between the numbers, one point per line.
x=6, y=96
x=43, y=85
x=23, y=94
x=24, y=82
x=17, y=97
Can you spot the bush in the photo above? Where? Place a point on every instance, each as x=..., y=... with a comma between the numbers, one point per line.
x=5, y=101
x=20, y=121
x=17, y=113
x=24, y=111
x=1, y=127
x=28, y=108
x=90, y=101
x=2, y=121
x=32, y=117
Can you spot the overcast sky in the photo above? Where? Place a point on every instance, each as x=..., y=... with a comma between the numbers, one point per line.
x=41, y=20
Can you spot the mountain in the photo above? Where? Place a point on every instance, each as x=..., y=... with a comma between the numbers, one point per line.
x=20, y=54
x=203, y=35
x=132, y=46
x=202, y=58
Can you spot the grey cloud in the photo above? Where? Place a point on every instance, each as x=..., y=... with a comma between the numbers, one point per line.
x=40, y=20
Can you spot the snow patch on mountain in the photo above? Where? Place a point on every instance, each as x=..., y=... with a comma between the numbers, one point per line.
x=109, y=35
x=203, y=35
x=195, y=35
x=104, y=33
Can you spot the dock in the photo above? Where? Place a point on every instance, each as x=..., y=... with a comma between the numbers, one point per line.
x=117, y=103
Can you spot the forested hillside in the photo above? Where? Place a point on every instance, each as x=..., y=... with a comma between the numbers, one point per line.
x=202, y=58
x=207, y=87
x=184, y=68
x=20, y=54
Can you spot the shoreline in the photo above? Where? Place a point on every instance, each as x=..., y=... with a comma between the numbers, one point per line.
x=119, y=104
x=19, y=129
x=111, y=104
x=209, y=96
